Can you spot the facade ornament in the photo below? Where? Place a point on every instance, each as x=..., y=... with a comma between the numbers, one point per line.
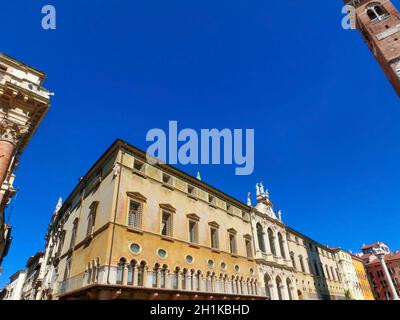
x=59, y=205
x=280, y=216
x=262, y=189
x=249, y=199
x=257, y=190
x=12, y=132
x=116, y=170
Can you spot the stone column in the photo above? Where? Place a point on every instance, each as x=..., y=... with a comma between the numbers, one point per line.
x=10, y=135
x=6, y=155
x=381, y=257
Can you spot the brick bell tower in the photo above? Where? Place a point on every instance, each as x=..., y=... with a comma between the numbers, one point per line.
x=379, y=24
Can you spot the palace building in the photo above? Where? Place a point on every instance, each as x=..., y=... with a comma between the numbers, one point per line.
x=23, y=104
x=136, y=230
x=378, y=22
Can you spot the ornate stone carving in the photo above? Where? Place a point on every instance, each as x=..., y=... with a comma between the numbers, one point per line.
x=12, y=132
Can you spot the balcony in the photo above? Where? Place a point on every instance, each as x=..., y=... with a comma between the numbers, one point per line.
x=158, y=281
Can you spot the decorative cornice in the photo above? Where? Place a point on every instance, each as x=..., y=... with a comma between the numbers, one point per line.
x=167, y=207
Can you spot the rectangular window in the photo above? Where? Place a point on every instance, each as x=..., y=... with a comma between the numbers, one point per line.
x=91, y=218
x=61, y=244
x=166, y=224
x=193, y=231
x=214, y=238
x=191, y=190
x=135, y=214
x=73, y=234
x=138, y=165
x=249, y=250
x=229, y=208
x=232, y=243
x=67, y=268
x=211, y=199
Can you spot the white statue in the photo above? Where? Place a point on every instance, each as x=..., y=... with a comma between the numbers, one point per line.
x=257, y=190
x=249, y=199
x=262, y=188
x=59, y=205
x=116, y=170
x=280, y=215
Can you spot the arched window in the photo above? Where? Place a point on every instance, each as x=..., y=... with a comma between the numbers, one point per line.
x=282, y=245
x=271, y=239
x=279, y=286
x=61, y=243
x=333, y=274
x=198, y=279
x=74, y=232
x=141, y=271
x=302, y=263
x=375, y=11
x=163, y=276
x=91, y=218
x=293, y=259
x=268, y=283
x=212, y=282
x=222, y=280
x=120, y=270
x=155, y=275
x=371, y=14
x=289, y=288
x=131, y=272
x=327, y=272
x=184, y=278
x=260, y=237
x=175, y=278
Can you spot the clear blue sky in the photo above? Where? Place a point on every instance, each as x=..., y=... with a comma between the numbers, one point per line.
x=326, y=120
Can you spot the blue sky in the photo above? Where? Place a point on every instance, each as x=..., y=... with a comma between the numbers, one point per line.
x=326, y=119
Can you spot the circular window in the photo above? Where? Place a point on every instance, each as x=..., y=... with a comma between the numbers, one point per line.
x=189, y=259
x=251, y=271
x=237, y=269
x=210, y=263
x=223, y=265
x=162, y=253
x=135, y=248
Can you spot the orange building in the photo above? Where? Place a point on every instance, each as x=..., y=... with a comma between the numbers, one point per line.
x=363, y=280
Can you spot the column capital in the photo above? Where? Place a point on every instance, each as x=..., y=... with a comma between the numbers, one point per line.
x=12, y=132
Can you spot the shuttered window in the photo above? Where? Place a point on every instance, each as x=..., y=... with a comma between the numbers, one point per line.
x=135, y=214
x=193, y=231
x=166, y=224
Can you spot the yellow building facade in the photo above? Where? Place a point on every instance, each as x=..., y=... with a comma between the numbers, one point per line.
x=363, y=280
x=132, y=230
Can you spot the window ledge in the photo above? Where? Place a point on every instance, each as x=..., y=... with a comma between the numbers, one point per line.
x=166, y=238
x=135, y=230
x=234, y=255
x=213, y=205
x=193, y=245
x=215, y=250
x=193, y=197
x=168, y=186
x=139, y=173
